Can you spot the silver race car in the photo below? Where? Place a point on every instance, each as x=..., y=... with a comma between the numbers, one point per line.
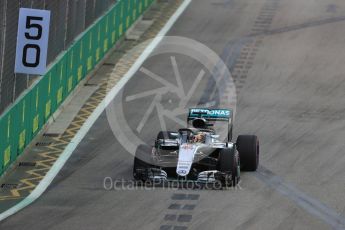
x=197, y=153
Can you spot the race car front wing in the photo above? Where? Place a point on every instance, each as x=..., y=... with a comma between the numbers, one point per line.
x=205, y=177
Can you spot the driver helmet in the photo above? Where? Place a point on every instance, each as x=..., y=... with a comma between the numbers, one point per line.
x=199, y=138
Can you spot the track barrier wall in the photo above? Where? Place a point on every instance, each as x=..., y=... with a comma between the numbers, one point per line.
x=23, y=120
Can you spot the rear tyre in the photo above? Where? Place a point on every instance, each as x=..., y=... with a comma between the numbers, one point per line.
x=228, y=163
x=248, y=147
x=142, y=160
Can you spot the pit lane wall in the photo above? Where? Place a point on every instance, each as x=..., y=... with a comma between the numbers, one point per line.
x=26, y=117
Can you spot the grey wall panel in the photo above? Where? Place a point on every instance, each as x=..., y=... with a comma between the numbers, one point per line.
x=99, y=9
x=7, y=84
x=52, y=45
x=90, y=12
x=20, y=80
x=80, y=16
x=38, y=4
x=61, y=25
x=2, y=23
x=25, y=3
x=69, y=19
x=76, y=19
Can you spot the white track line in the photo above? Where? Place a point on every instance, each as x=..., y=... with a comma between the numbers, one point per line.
x=55, y=169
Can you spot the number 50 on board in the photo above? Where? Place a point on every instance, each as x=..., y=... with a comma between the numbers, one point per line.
x=32, y=41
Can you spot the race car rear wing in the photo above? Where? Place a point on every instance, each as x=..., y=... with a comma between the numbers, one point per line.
x=212, y=116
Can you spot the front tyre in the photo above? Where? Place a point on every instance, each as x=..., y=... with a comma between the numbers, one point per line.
x=248, y=147
x=228, y=163
x=142, y=161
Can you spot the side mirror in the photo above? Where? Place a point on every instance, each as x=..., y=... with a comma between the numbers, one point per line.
x=230, y=134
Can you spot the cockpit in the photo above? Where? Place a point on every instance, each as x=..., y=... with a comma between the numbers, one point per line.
x=195, y=136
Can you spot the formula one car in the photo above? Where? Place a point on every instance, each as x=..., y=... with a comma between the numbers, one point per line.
x=197, y=153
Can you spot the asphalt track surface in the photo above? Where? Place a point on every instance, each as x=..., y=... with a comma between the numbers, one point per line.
x=291, y=97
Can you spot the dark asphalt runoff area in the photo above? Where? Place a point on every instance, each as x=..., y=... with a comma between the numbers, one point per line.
x=287, y=59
